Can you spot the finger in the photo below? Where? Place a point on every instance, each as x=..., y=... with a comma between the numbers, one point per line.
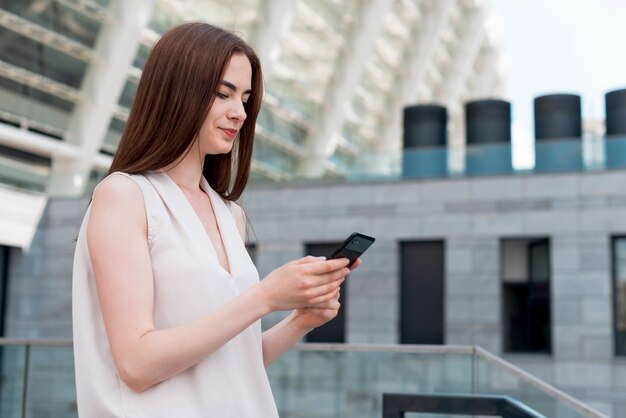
x=324, y=298
x=337, y=275
x=306, y=260
x=326, y=266
x=309, y=280
x=325, y=289
x=356, y=264
x=323, y=279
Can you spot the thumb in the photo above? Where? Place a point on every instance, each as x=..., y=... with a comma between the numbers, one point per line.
x=309, y=259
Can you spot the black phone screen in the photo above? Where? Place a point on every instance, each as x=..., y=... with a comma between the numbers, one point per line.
x=353, y=247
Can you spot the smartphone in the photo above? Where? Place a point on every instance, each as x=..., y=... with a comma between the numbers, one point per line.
x=353, y=247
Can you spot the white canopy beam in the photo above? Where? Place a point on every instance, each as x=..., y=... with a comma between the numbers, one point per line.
x=415, y=73
x=322, y=140
x=467, y=52
x=274, y=21
x=114, y=52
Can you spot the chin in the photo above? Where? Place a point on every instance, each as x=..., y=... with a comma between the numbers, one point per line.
x=225, y=149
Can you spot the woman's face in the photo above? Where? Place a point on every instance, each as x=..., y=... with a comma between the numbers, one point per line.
x=227, y=114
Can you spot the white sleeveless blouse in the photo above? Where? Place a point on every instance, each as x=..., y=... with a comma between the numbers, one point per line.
x=188, y=283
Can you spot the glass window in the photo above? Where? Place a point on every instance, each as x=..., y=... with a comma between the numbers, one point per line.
x=422, y=284
x=126, y=99
x=273, y=157
x=619, y=283
x=142, y=56
x=8, y=86
x=57, y=17
x=38, y=58
x=113, y=136
x=526, y=295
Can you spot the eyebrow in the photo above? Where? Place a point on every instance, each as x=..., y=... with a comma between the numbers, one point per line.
x=232, y=87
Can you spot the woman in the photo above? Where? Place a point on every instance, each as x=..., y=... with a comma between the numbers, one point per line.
x=166, y=301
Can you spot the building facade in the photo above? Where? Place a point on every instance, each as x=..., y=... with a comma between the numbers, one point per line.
x=530, y=267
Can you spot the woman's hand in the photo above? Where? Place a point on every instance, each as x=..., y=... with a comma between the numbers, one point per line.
x=313, y=317
x=306, y=282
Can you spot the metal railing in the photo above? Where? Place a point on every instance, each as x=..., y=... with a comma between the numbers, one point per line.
x=396, y=404
x=341, y=377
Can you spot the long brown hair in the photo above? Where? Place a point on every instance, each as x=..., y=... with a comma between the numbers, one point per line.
x=174, y=95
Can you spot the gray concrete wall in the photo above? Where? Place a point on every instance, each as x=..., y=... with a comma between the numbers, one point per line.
x=578, y=213
x=40, y=280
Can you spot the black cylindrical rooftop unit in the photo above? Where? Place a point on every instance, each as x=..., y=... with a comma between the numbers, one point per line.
x=424, y=141
x=488, y=122
x=558, y=116
x=615, y=102
x=425, y=126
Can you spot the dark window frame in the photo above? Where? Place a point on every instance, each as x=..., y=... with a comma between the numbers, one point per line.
x=505, y=343
x=444, y=248
x=617, y=351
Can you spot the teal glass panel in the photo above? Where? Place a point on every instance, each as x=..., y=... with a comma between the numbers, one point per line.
x=281, y=128
x=309, y=384
x=22, y=176
x=51, y=384
x=12, y=376
x=306, y=382
x=558, y=155
x=488, y=159
x=425, y=162
x=273, y=157
x=495, y=380
x=615, y=152
x=344, y=162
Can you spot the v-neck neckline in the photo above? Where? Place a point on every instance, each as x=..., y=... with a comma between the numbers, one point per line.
x=206, y=188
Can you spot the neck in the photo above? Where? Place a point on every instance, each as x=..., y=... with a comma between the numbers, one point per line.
x=187, y=171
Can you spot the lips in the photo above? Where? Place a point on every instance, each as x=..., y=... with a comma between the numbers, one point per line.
x=230, y=133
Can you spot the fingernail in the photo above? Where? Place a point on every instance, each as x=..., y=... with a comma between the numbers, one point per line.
x=321, y=258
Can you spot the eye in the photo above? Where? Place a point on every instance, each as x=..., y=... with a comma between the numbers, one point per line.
x=221, y=95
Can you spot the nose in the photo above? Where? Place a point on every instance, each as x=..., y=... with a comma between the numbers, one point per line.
x=237, y=111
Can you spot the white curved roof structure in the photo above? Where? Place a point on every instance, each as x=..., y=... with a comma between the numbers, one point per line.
x=338, y=73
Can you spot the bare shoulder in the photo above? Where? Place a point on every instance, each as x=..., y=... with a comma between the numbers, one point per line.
x=117, y=188
x=117, y=205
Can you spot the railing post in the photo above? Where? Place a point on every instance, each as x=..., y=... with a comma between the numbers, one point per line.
x=474, y=371
x=25, y=380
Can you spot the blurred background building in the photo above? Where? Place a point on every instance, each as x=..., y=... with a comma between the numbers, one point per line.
x=380, y=116
x=337, y=73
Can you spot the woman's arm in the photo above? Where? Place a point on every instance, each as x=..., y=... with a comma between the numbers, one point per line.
x=144, y=355
x=282, y=336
